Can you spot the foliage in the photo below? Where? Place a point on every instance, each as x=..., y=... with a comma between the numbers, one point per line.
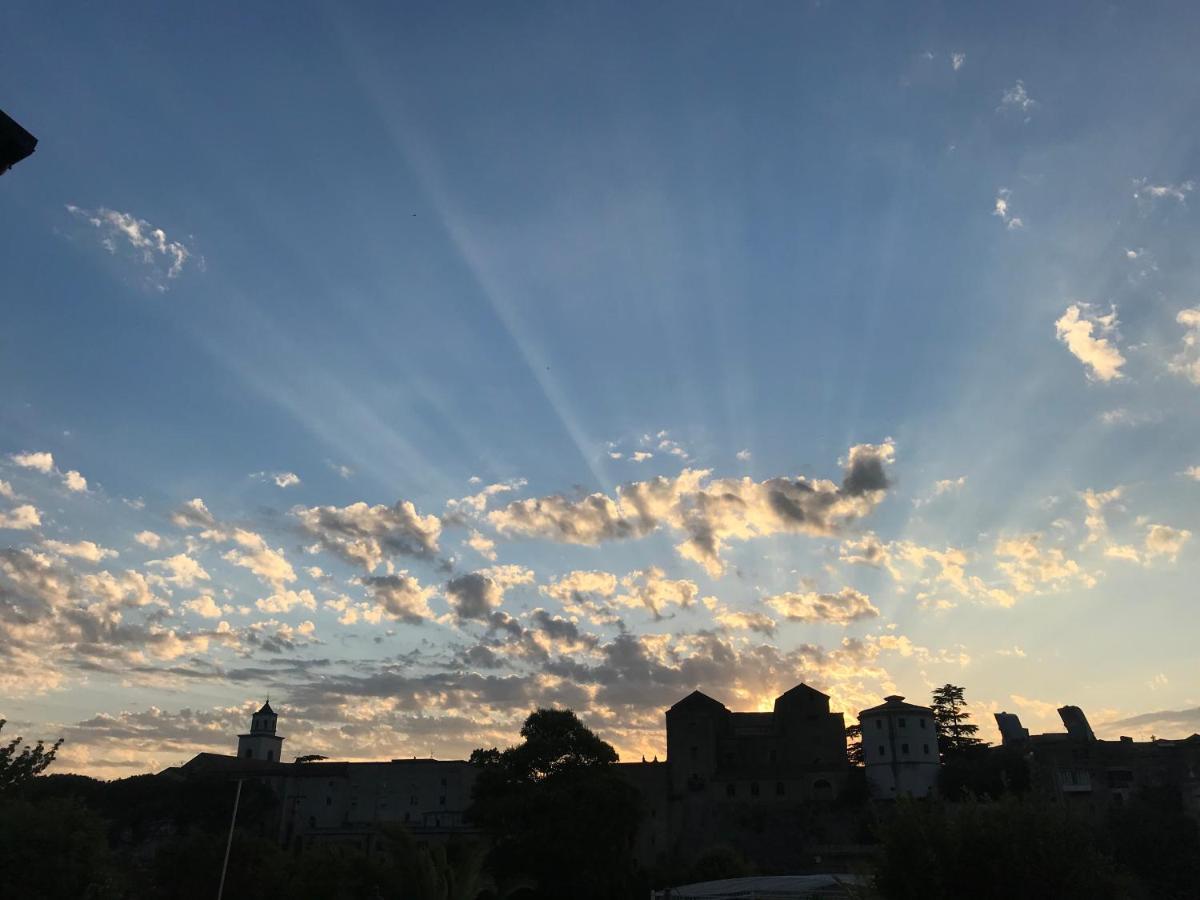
x=20, y=764
x=57, y=850
x=1004, y=849
x=956, y=733
x=854, y=750
x=558, y=810
x=1155, y=839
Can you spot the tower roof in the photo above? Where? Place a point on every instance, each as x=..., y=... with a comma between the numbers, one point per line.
x=895, y=703
x=697, y=700
x=266, y=710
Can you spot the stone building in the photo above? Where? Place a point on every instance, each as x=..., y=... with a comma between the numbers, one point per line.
x=1076, y=768
x=262, y=742
x=900, y=749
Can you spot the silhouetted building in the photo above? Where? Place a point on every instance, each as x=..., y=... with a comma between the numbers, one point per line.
x=740, y=779
x=900, y=749
x=262, y=742
x=1078, y=769
x=15, y=143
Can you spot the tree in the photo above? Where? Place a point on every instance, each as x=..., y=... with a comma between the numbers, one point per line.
x=16, y=768
x=558, y=811
x=956, y=734
x=854, y=750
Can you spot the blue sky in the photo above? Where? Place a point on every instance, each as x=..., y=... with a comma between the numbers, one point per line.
x=842, y=342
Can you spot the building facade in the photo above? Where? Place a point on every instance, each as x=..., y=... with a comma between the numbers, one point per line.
x=900, y=749
x=262, y=742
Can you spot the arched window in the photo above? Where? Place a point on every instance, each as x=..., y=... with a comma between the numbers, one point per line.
x=249, y=753
x=270, y=756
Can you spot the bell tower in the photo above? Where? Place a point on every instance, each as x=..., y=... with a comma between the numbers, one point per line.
x=262, y=742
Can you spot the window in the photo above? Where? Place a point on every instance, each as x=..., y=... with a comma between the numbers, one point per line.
x=902, y=723
x=904, y=749
x=922, y=721
x=878, y=724
x=442, y=800
x=412, y=801
x=695, y=752
x=754, y=789
x=270, y=756
x=779, y=789
x=881, y=750
x=329, y=801
x=249, y=753
x=730, y=789
x=312, y=821
x=926, y=746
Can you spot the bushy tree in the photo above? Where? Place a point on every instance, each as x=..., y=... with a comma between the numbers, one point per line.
x=1004, y=849
x=19, y=764
x=557, y=809
x=956, y=732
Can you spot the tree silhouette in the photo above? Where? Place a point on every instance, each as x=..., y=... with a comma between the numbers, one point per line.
x=558, y=811
x=956, y=734
x=854, y=750
x=19, y=764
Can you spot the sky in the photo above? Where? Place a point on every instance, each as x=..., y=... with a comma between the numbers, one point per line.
x=417, y=365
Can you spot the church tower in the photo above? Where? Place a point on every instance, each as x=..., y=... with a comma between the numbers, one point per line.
x=262, y=742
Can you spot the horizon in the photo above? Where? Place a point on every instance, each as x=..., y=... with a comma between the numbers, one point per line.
x=421, y=367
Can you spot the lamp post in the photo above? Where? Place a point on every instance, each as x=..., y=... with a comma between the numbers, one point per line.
x=229, y=843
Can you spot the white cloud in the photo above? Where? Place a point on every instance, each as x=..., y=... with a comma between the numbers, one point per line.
x=1001, y=209
x=149, y=244
x=941, y=488
x=204, y=606
x=1145, y=192
x=41, y=461
x=482, y=545
x=193, y=514
x=73, y=481
x=1034, y=568
x=366, y=535
x=1016, y=99
x=256, y=555
x=401, y=596
x=957, y=60
x=651, y=589
x=284, y=600
x=22, y=518
x=708, y=513
x=1087, y=335
x=185, y=571
x=1095, y=502
x=6, y=490
x=842, y=608
x=86, y=550
x=1163, y=540
x=1187, y=361
x=641, y=456
x=148, y=539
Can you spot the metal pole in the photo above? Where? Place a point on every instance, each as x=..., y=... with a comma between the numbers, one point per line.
x=229, y=843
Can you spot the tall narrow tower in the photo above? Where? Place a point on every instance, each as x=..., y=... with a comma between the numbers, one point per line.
x=262, y=742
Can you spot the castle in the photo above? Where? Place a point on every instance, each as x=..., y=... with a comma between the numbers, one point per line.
x=730, y=778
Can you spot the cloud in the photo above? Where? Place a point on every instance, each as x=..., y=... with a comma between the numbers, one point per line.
x=1097, y=526
x=41, y=461
x=1016, y=99
x=21, y=518
x=475, y=595
x=1147, y=193
x=73, y=481
x=342, y=471
x=1033, y=568
x=638, y=456
x=366, y=535
x=708, y=513
x=482, y=545
x=739, y=620
x=204, y=606
x=942, y=488
x=280, y=479
x=6, y=490
x=744, y=455
x=1163, y=540
x=466, y=508
x=1187, y=361
x=193, y=514
x=401, y=596
x=185, y=571
x=842, y=608
x=85, y=550
x=165, y=258
x=148, y=539
x=1000, y=208
x=651, y=589
x=957, y=60
x=284, y=600
x=256, y=555
x=1086, y=335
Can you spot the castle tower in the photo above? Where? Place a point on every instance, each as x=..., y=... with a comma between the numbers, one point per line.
x=900, y=749
x=262, y=742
